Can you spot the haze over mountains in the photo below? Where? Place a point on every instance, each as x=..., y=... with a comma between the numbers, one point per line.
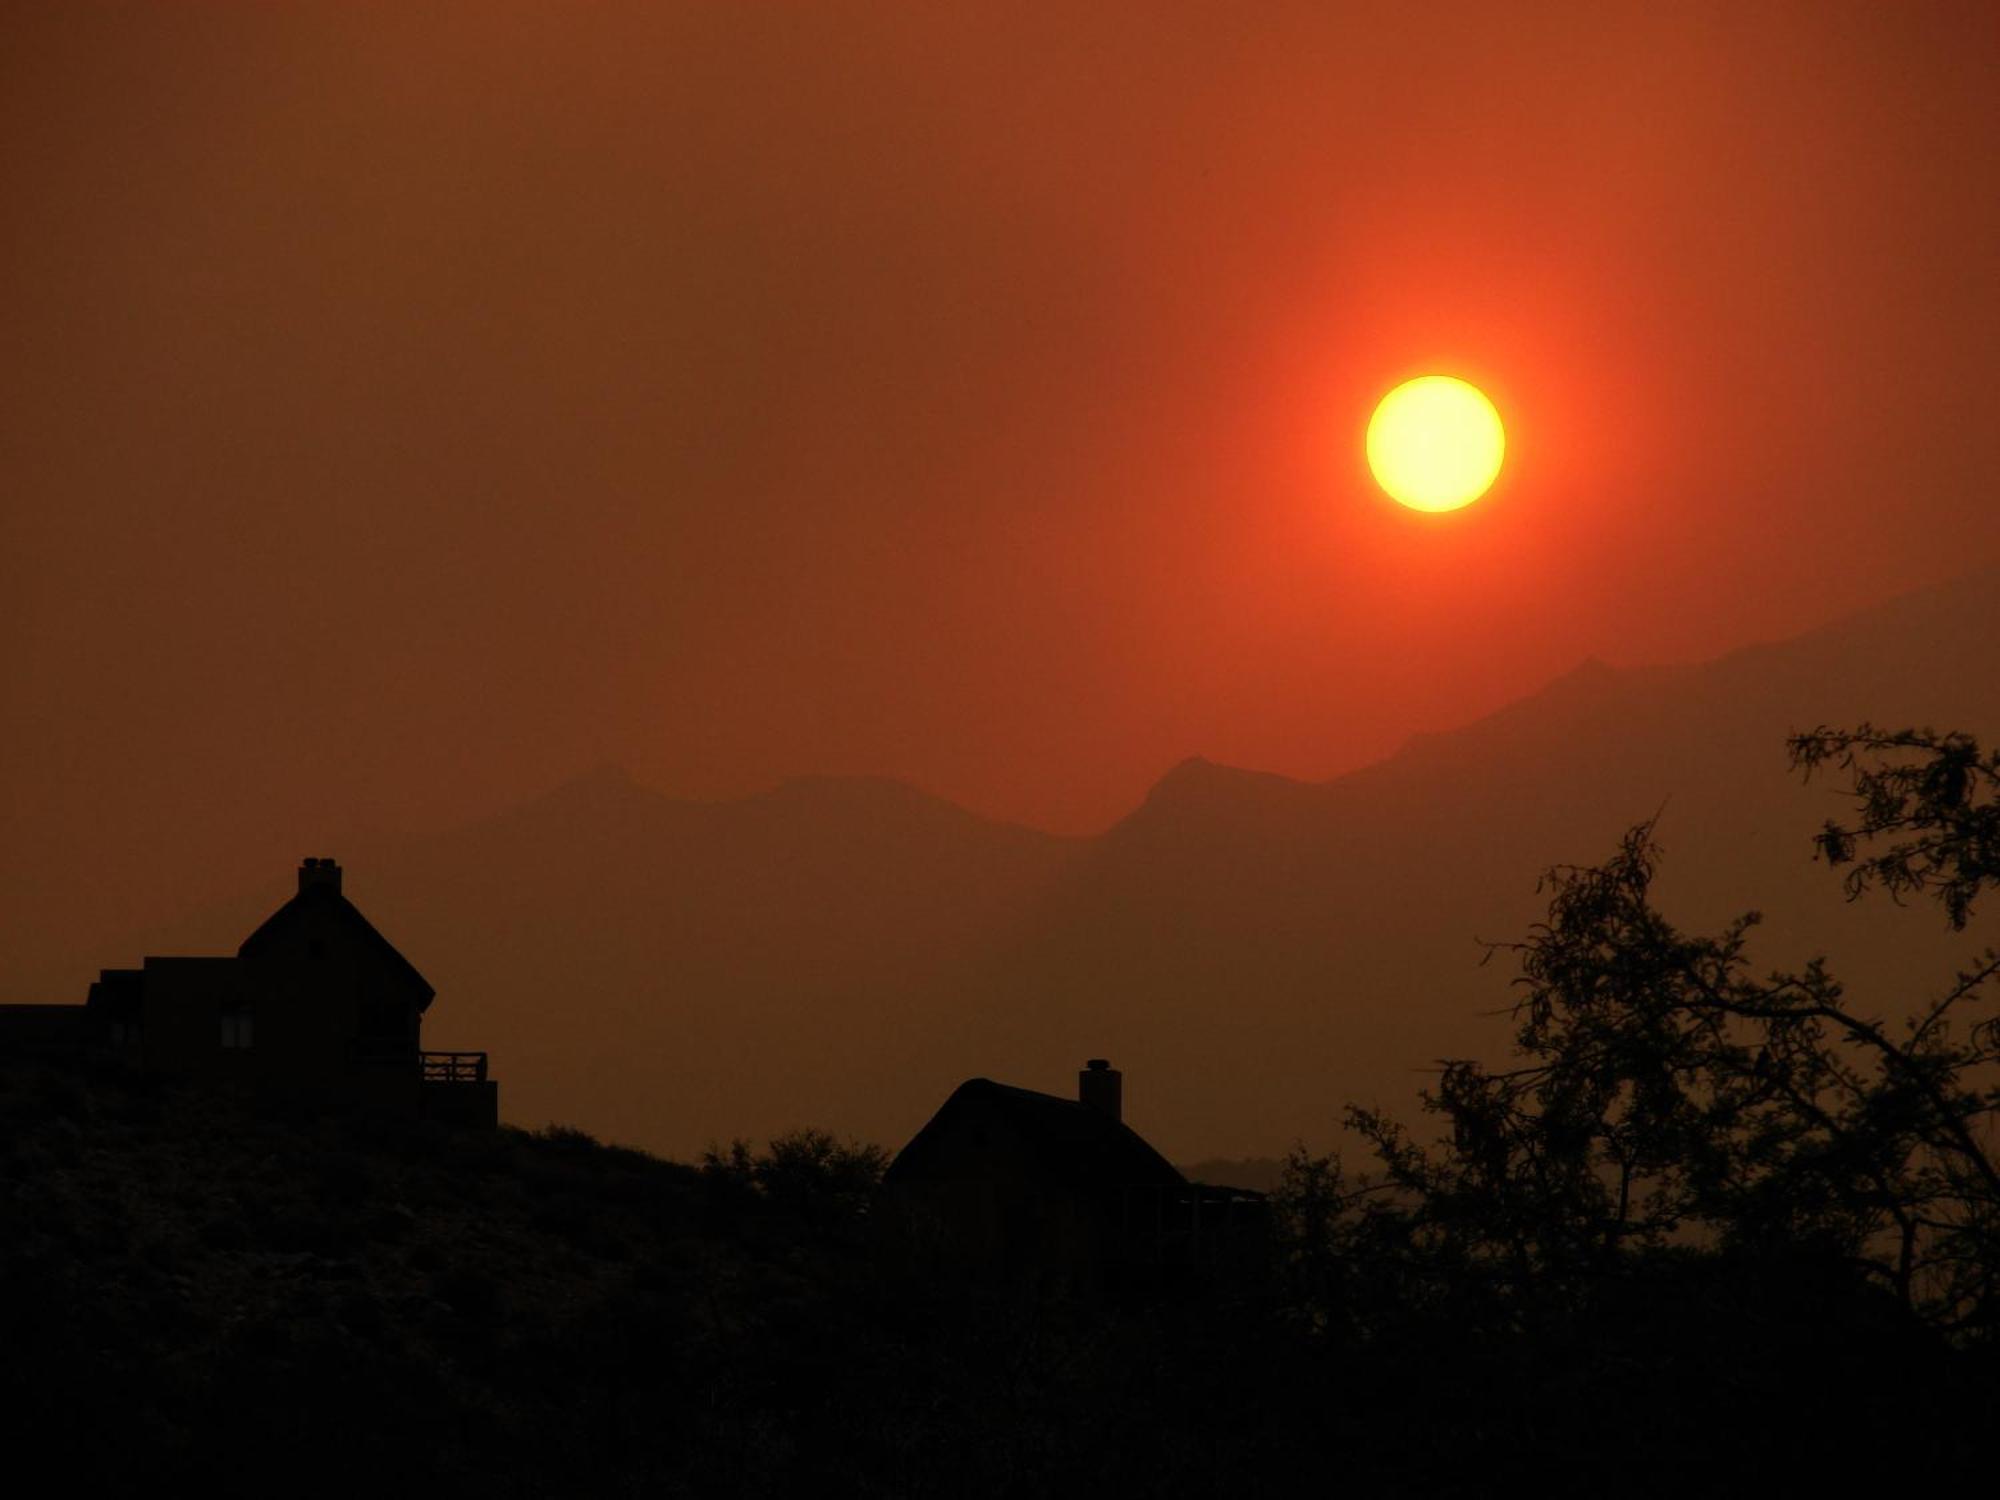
x=1253, y=951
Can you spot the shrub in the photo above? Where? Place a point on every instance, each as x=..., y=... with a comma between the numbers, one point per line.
x=806, y=1172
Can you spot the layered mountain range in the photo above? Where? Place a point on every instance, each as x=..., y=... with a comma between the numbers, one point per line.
x=1252, y=950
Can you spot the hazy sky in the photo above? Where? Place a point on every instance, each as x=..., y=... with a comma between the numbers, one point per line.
x=409, y=406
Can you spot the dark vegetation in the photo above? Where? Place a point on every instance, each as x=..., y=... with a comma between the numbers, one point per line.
x=1668, y=1103
x=196, y=1296
x=1713, y=1227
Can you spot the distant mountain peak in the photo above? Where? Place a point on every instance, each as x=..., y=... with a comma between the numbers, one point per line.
x=1192, y=777
x=1589, y=677
x=1199, y=787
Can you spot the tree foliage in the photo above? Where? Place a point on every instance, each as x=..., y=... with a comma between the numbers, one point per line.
x=807, y=1172
x=1935, y=796
x=1668, y=1101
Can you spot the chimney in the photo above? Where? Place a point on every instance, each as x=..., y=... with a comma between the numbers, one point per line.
x=1100, y=1087
x=319, y=875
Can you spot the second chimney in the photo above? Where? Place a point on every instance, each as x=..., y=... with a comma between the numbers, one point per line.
x=1101, y=1087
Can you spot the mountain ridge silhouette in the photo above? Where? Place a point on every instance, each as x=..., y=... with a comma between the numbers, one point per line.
x=1251, y=948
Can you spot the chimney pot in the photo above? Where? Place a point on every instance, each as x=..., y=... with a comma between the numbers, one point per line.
x=1101, y=1087
x=319, y=874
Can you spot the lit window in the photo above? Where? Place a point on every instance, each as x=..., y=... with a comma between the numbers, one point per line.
x=236, y=1027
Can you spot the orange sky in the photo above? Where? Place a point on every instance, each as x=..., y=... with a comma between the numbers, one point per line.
x=407, y=407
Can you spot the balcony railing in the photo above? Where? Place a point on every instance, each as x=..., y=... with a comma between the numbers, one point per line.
x=454, y=1067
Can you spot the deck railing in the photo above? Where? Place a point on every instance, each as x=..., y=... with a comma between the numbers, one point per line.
x=454, y=1067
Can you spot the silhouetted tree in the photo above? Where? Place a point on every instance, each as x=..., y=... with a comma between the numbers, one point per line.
x=1668, y=1100
x=808, y=1172
x=1937, y=794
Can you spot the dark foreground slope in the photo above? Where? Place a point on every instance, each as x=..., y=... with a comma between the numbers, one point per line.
x=199, y=1299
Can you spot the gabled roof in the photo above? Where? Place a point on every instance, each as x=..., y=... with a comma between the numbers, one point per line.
x=1068, y=1140
x=322, y=901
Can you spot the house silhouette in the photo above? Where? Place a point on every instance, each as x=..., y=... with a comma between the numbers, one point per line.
x=315, y=1004
x=1054, y=1193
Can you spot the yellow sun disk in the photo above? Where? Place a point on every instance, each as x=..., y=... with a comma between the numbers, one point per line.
x=1435, y=443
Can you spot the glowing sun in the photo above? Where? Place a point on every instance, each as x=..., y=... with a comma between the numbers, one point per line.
x=1435, y=443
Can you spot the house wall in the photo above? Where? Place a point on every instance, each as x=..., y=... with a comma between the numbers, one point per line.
x=305, y=997
x=181, y=1018
x=317, y=980
x=979, y=1198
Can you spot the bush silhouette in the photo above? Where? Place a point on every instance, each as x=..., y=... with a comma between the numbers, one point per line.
x=807, y=1172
